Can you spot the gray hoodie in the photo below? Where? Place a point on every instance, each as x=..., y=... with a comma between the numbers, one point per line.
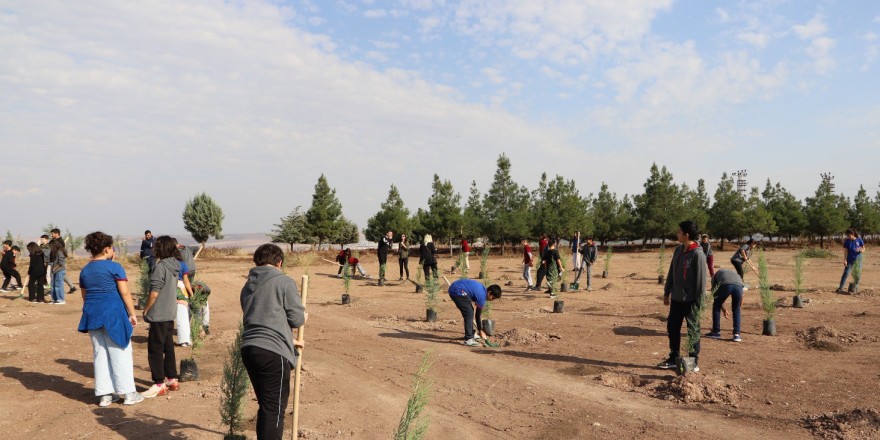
x=187, y=254
x=164, y=280
x=686, y=280
x=725, y=277
x=272, y=308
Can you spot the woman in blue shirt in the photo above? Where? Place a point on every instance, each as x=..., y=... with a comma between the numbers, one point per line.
x=853, y=247
x=109, y=318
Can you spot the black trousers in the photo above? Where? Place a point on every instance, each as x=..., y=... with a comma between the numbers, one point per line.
x=383, y=258
x=678, y=313
x=739, y=269
x=270, y=375
x=542, y=272
x=430, y=267
x=35, y=288
x=9, y=273
x=465, y=306
x=160, y=351
x=404, y=265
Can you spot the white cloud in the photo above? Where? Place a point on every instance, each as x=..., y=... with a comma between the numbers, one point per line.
x=757, y=39
x=19, y=193
x=811, y=29
x=375, y=13
x=494, y=75
x=385, y=45
x=872, y=48
x=820, y=45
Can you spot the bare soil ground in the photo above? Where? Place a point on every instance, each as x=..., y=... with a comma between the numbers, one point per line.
x=585, y=373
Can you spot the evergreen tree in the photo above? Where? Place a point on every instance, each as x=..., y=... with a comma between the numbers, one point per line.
x=727, y=214
x=864, y=214
x=786, y=210
x=538, y=208
x=757, y=218
x=473, y=221
x=506, y=206
x=291, y=230
x=606, y=212
x=443, y=219
x=826, y=212
x=344, y=233
x=568, y=211
x=322, y=218
x=203, y=218
x=625, y=220
x=392, y=216
x=696, y=205
x=659, y=208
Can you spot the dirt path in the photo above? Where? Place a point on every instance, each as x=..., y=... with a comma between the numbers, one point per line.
x=585, y=373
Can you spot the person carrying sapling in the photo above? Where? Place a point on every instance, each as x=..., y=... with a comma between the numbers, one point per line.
x=470, y=297
x=853, y=246
x=684, y=292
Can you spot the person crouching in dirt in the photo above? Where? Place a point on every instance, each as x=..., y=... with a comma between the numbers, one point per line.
x=470, y=297
x=341, y=258
x=726, y=283
x=684, y=291
x=272, y=308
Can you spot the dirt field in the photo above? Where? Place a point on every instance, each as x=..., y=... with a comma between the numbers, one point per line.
x=586, y=373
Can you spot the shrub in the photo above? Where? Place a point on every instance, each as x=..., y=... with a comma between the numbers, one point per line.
x=220, y=252
x=234, y=387
x=432, y=288
x=608, y=256
x=411, y=425
x=768, y=304
x=816, y=253
x=462, y=265
x=799, y=261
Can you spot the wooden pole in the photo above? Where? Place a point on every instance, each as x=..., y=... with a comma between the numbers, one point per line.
x=300, y=334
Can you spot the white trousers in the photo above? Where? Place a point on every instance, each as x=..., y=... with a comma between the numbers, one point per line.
x=114, y=367
x=182, y=324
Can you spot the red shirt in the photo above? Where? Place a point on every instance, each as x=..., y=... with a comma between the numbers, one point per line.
x=527, y=257
x=465, y=247
x=352, y=261
x=542, y=245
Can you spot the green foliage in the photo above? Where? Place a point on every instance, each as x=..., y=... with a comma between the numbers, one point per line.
x=346, y=277
x=826, y=212
x=786, y=210
x=659, y=209
x=291, y=230
x=558, y=208
x=47, y=230
x=382, y=271
x=606, y=215
x=799, y=262
x=323, y=217
x=392, y=216
x=661, y=257
x=472, y=218
x=203, y=218
x=693, y=332
x=443, y=218
x=608, y=256
x=696, y=205
x=727, y=214
x=412, y=426
x=506, y=206
x=300, y=259
x=73, y=242
x=346, y=232
x=9, y=236
x=419, y=273
x=768, y=303
x=196, y=303
x=462, y=265
x=234, y=387
x=484, y=264
x=816, y=253
x=121, y=246
x=432, y=289
x=144, y=281
x=857, y=269
x=864, y=214
x=553, y=277
x=757, y=218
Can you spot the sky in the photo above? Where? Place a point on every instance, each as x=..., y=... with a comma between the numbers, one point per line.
x=113, y=114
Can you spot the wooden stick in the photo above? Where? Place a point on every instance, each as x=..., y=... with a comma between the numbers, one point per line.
x=447, y=281
x=27, y=279
x=329, y=261
x=300, y=334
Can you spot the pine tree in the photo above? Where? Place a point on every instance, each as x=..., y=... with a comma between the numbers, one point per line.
x=412, y=426
x=864, y=214
x=757, y=218
x=786, y=210
x=625, y=219
x=659, y=208
x=606, y=211
x=322, y=218
x=203, y=218
x=538, y=208
x=727, y=214
x=344, y=233
x=233, y=388
x=826, y=212
x=291, y=230
x=472, y=219
x=696, y=204
x=443, y=218
x=506, y=206
x=392, y=216
x=566, y=211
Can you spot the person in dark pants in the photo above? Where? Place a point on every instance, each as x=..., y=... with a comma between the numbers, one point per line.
x=548, y=259
x=403, y=256
x=707, y=249
x=272, y=308
x=726, y=283
x=8, y=266
x=590, y=253
x=426, y=255
x=147, y=249
x=160, y=311
x=470, y=297
x=36, y=274
x=684, y=291
x=56, y=235
x=743, y=255
x=385, y=244
x=853, y=246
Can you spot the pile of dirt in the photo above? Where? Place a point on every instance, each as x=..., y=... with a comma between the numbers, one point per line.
x=830, y=339
x=855, y=424
x=608, y=286
x=698, y=388
x=621, y=381
x=8, y=332
x=583, y=370
x=524, y=336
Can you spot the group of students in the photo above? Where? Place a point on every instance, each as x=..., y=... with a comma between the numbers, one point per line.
x=427, y=256
x=583, y=257
x=47, y=269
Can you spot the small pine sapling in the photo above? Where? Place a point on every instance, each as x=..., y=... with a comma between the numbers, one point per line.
x=799, y=261
x=121, y=246
x=553, y=278
x=197, y=304
x=693, y=331
x=233, y=390
x=346, y=277
x=432, y=288
x=857, y=272
x=661, y=261
x=419, y=273
x=143, y=283
x=462, y=264
x=608, y=256
x=484, y=264
x=562, y=276
x=382, y=271
x=768, y=304
x=412, y=425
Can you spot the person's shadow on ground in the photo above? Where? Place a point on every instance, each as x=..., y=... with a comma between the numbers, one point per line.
x=87, y=369
x=143, y=426
x=36, y=381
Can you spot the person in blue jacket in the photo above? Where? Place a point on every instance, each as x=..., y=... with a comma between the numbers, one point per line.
x=470, y=296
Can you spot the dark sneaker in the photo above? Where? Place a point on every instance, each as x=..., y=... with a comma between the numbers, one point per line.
x=737, y=338
x=207, y=330
x=713, y=335
x=72, y=289
x=668, y=364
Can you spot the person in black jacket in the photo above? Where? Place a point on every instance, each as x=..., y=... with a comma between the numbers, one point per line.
x=36, y=273
x=147, y=249
x=548, y=259
x=7, y=265
x=426, y=255
x=384, y=247
x=684, y=292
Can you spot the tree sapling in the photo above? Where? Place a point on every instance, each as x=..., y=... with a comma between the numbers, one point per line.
x=233, y=390
x=661, y=263
x=462, y=263
x=189, y=368
x=432, y=287
x=799, y=261
x=768, y=303
x=608, y=256
x=484, y=264
x=412, y=425
x=856, y=274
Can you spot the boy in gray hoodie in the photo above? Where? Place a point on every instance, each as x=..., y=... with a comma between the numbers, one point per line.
x=272, y=309
x=684, y=291
x=160, y=311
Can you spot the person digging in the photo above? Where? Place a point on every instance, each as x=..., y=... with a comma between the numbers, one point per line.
x=470, y=297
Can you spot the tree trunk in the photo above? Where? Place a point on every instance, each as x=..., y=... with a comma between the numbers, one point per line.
x=721, y=246
x=822, y=241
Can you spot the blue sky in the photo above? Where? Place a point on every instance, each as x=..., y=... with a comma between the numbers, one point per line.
x=114, y=113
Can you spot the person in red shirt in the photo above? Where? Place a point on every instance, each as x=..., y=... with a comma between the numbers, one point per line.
x=527, y=265
x=466, y=249
x=542, y=244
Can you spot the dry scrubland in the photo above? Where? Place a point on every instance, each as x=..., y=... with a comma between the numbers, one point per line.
x=585, y=373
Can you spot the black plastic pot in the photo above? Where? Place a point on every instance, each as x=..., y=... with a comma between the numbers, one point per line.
x=558, y=306
x=660, y=279
x=234, y=437
x=563, y=287
x=797, y=302
x=769, y=327
x=852, y=288
x=686, y=365
x=189, y=370
x=346, y=299
x=430, y=315
x=418, y=288
x=480, y=276
x=488, y=327
x=381, y=282
x=604, y=274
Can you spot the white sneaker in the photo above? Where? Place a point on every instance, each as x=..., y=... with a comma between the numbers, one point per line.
x=133, y=398
x=108, y=399
x=155, y=390
x=471, y=343
x=60, y=303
